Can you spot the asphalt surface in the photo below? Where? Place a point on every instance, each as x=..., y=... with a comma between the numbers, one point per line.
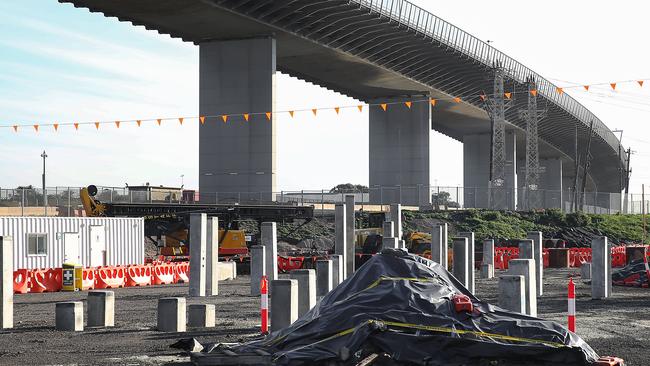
x=619, y=326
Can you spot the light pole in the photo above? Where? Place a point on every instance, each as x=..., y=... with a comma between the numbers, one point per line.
x=182, y=180
x=44, y=155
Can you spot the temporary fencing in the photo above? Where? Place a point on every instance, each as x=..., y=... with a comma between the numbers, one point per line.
x=138, y=275
x=110, y=277
x=182, y=273
x=577, y=256
x=21, y=280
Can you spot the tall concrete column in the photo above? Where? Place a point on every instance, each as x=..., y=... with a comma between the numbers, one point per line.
x=549, y=193
x=341, y=238
x=388, y=229
x=6, y=282
x=439, y=245
x=212, y=258
x=538, y=253
x=395, y=215
x=399, y=151
x=269, y=239
x=198, y=253
x=258, y=268
x=601, y=276
x=337, y=269
x=237, y=77
x=526, y=268
x=471, y=275
x=460, y=259
x=349, y=231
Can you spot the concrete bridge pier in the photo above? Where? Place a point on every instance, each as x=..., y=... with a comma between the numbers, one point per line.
x=399, y=151
x=237, y=158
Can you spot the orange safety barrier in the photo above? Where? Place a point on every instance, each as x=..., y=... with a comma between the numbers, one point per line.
x=45, y=280
x=138, y=275
x=21, y=280
x=546, y=257
x=182, y=272
x=288, y=264
x=110, y=277
x=162, y=274
x=88, y=279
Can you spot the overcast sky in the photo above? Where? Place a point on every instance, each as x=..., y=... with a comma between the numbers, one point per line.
x=64, y=64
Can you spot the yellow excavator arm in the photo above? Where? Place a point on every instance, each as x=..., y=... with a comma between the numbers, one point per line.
x=92, y=206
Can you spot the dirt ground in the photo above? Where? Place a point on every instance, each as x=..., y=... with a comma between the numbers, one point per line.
x=619, y=326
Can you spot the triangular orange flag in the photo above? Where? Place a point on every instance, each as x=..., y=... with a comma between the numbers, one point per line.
x=56, y=126
x=533, y=92
x=202, y=119
x=246, y=116
x=15, y=128
x=138, y=122
x=180, y=120
x=586, y=87
x=613, y=85
x=117, y=124
x=97, y=125
x=337, y=109
x=224, y=118
x=360, y=108
x=291, y=113
x=159, y=121
x=483, y=97
x=457, y=99
x=384, y=106
x=36, y=128
x=314, y=110
x=640, y=82
x=559, y=90
x=508, y=95
x=408, y=104
x=268, y=115
x=433, y=102
x=76, y=126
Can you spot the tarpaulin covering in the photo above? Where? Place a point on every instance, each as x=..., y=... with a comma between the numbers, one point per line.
x=634, y=274
x=401, y=304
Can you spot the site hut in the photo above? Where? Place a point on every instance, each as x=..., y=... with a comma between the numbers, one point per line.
x=48, y=242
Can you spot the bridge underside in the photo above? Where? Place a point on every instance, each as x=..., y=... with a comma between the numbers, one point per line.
x=347, y=48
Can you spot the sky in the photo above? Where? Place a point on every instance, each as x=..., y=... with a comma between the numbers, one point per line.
x=62, y=64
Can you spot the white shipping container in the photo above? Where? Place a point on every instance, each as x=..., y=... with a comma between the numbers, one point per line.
x=46, y=242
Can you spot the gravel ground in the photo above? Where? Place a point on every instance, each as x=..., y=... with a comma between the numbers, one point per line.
x=619, y=326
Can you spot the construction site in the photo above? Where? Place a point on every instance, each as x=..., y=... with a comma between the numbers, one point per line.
x=539, y=258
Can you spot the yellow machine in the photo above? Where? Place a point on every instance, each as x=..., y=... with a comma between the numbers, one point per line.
x=91, y=206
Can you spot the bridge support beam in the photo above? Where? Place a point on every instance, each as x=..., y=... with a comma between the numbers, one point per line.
x=550, y=191
x=399, y=152
x=237, y=158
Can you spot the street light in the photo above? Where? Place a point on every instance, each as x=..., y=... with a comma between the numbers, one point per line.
x=44, y=155
x=182, y=180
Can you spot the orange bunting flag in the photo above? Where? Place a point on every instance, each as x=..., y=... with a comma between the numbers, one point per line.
x=15, y=128
x=533, y=92
x=640, y=82
x=180, y=120
x=224, y=118
x=36, y=128
x=508, y=95
x=246, y=116
x=76, y=126
x=360, y=107
x=314, y=111
x=268, y=115
x=613, y=85
x=56, y=126
x=117, y=124
x=337, y=109
x=408, y=104
x=586, y=87
x=559, y=90
x=202, y=119
x=483, y=97
x=138, y=122
x=159, y=121
x=433, y=102
x=97, y=125
x=457, y=99
x=384, y=106
x=291, y=113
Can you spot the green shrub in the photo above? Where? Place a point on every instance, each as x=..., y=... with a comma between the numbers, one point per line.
x=578, y=219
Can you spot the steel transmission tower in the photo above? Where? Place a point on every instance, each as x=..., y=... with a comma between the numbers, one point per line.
x=531, y=194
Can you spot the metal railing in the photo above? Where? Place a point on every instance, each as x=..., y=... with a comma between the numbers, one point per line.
x=422, y=21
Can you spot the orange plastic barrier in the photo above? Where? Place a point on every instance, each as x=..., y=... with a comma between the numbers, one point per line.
x=182, y=272
x=45, y=280
x=110, y=277
x=88, y=279
x=546, y=257
x=138, y=275
x=162, y=274
x=21, y=280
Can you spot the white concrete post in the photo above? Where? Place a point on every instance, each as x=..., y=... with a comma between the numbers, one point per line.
x=341, y=238
x=284, y=303
x=69, y=316
x=585, y=271
x=269, y=239
x=198, y=253
x=349, y=231
x=388, y=229
x=512, y=293
x=396, y=217
x=172, y=315
x=337, y=269
x=471, y=260
x=389, y=243
x=526, y=268
x=306, y=279
x=6, y=282
x=460, y=258
x=488, y=251
x=439, y=245
x=101, y=308
x=324, y=274
x=258, y=268
x=600, y=268
x=212, y=258
x=201, y=315
x=538, y=253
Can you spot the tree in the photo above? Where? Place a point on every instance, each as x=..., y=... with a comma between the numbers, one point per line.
x=349, y=188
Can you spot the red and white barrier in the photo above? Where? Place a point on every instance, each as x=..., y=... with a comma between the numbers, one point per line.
x=572, y=306
x=264, y=308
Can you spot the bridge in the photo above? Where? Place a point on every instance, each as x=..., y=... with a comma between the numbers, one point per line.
x=384, y=51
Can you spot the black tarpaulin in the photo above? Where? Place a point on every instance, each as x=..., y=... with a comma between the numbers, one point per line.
x=400, y=304
x=634, y=274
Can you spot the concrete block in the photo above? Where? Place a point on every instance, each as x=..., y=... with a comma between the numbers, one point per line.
x=258, y=268
x=227, y=271
x=538, y=254
x=388, y=229
x=6, y=282
x=471, y=273
x=101, y=308
x=349, y=231
x=396, y=217
x=341, y=237
x=526, y=268
x=171, y=314
x=269, y=239
x=201, y=316
x=558, y=257
x=337, y=269
x=324, y=277
x=198, y=253
x=439, y=250
x=70, y=316
x=487, y=271
x=526, y=249
x=460, y=259
x=488, y=252
x=600, y=268
x=389, y=243
x=306, y=279
x=284, y=303
x=585, y=271
x=512, y=293
x=212, y=257
x=402, y=245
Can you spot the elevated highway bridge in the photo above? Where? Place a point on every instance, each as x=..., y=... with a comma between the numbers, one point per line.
x=376, y=51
